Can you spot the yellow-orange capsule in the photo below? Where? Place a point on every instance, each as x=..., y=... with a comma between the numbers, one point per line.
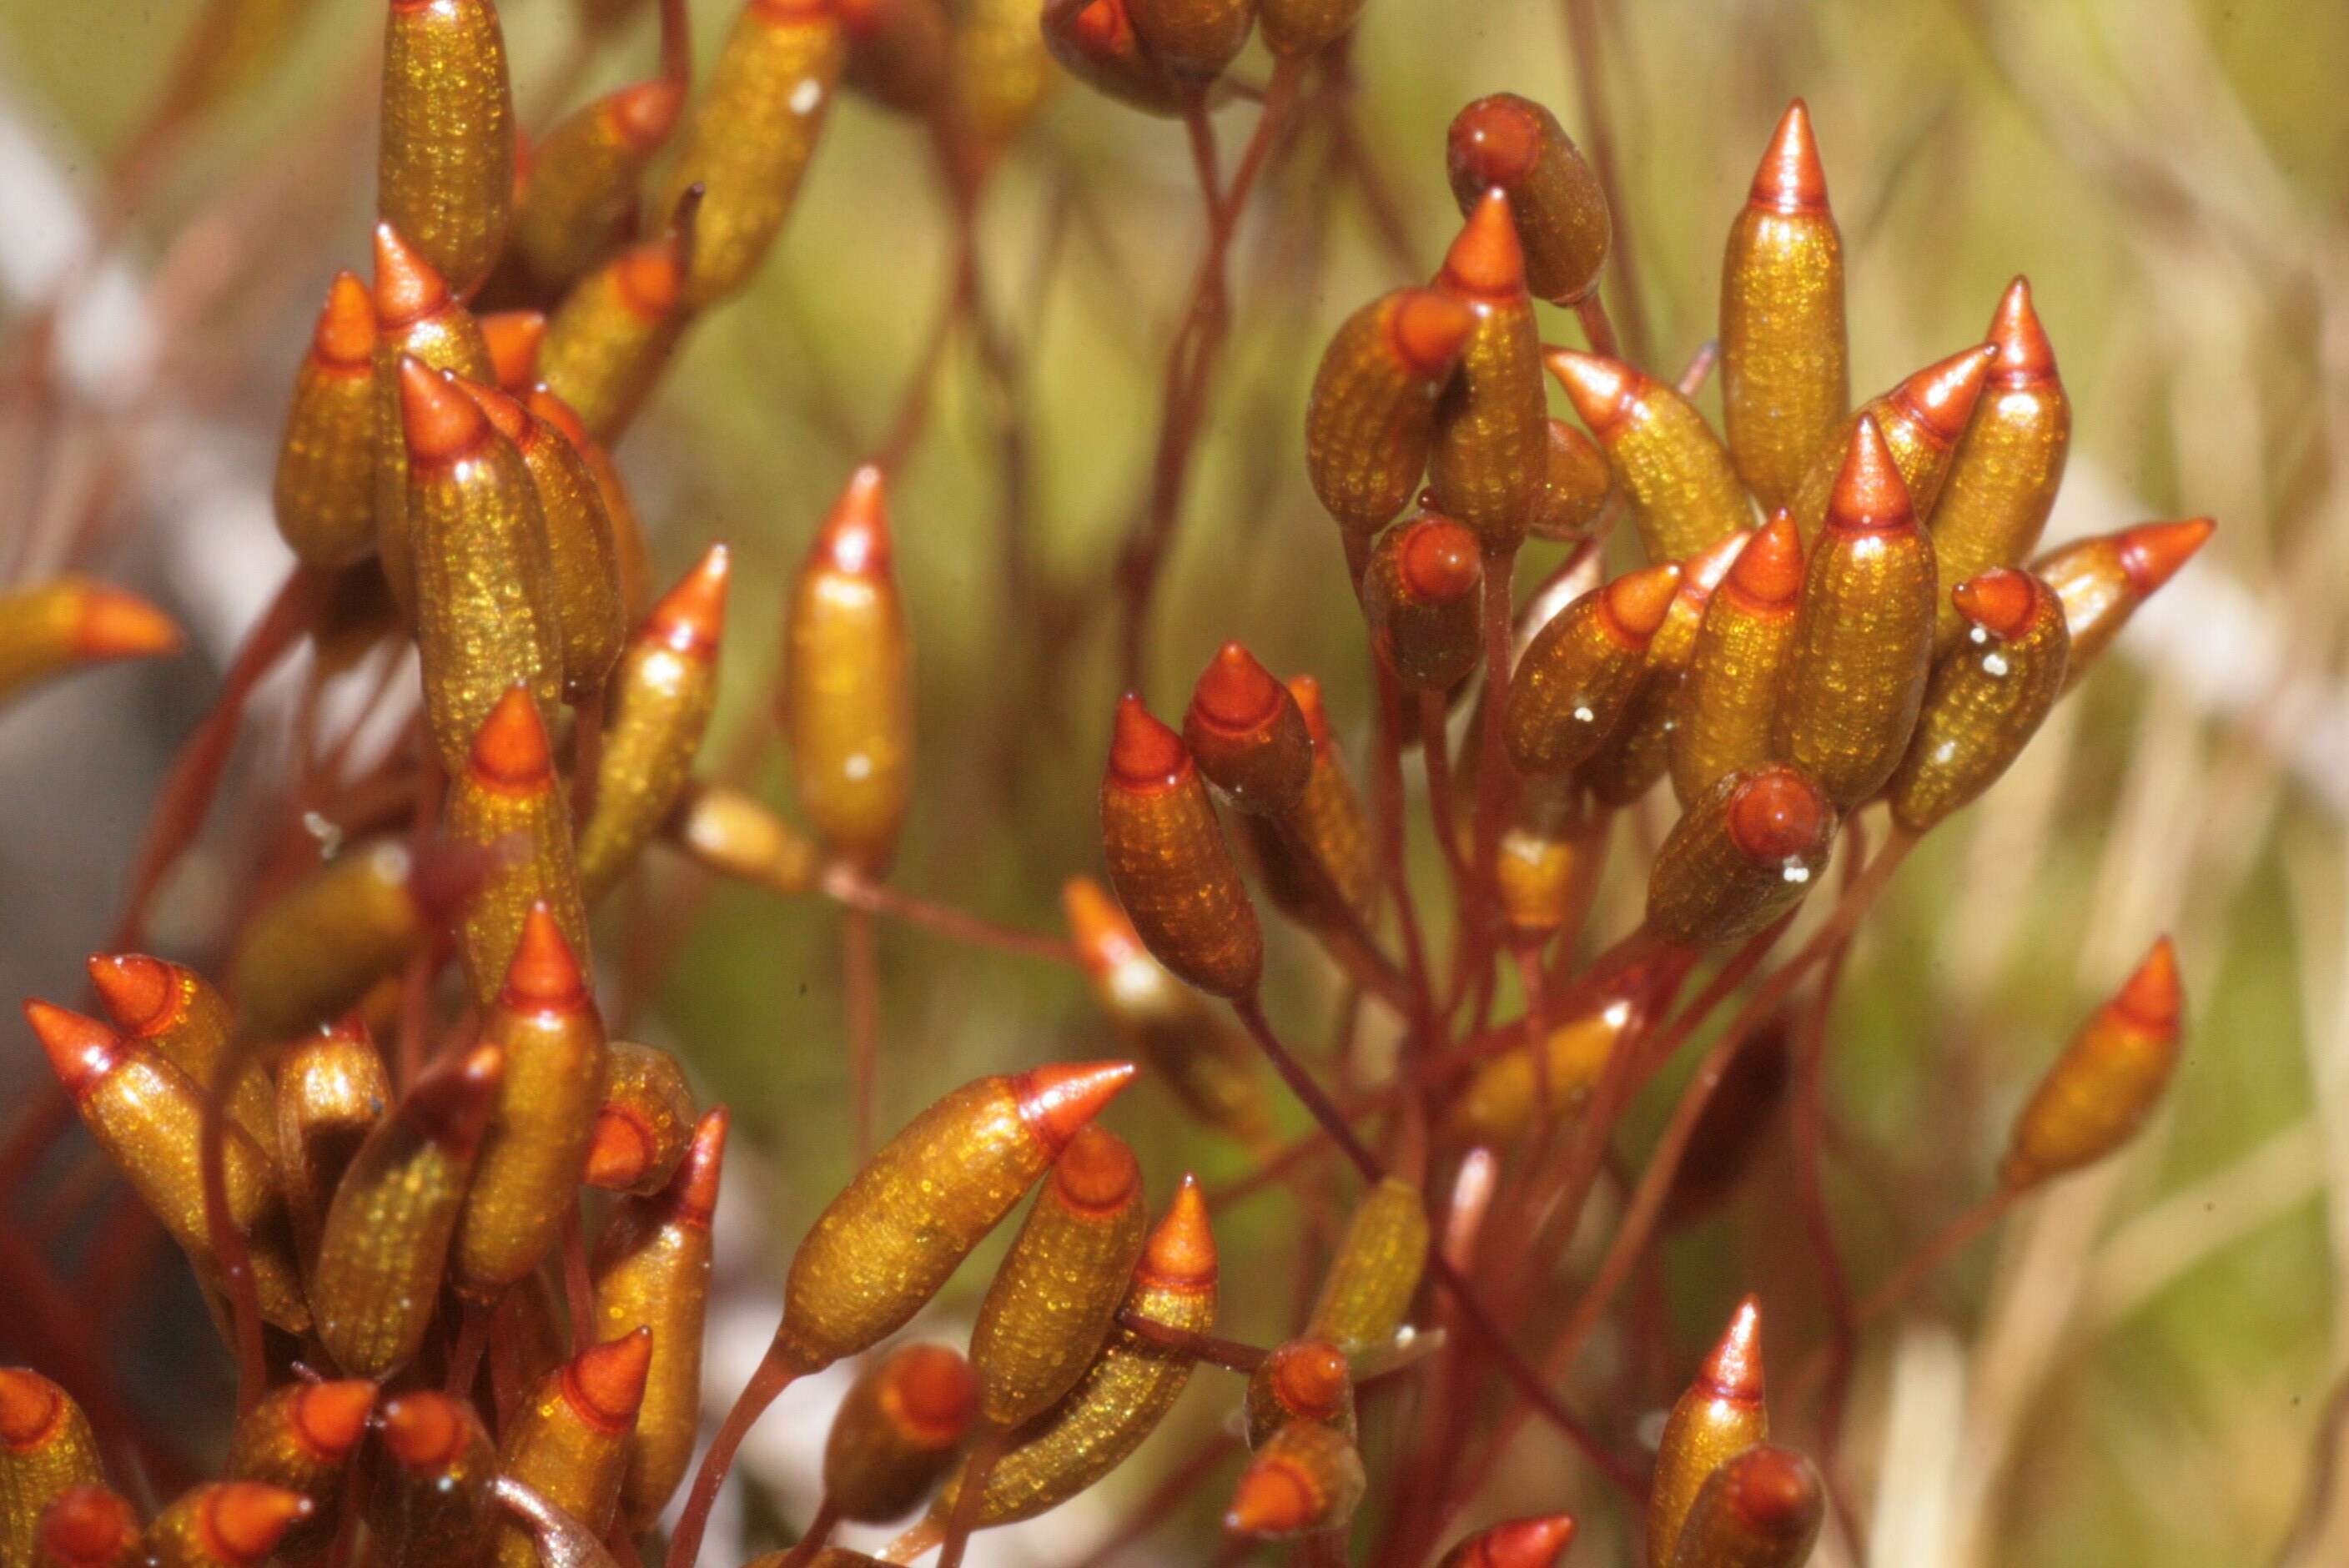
x=630, y=550
x=1576, y=678
x=2101, y=580
x=568, y=1442
x=416, y=316
x=1194, y=39
x=1863, y=640
x=902, y=1425
x=445, y=165
x=899, y=51
x=1327, y=824
x=1544, y=846
x=1675, y=473
x=1743, y=853
x=318, y=947
x=84, y=1526
x=1366, y=1296
x=533, y=1154
x=1424, y=595
x=224, y=1524
x=1519, y=1543
x=509, y=800
x=1053, y=1299
x=1786, y=378
x=1247, y=735
x=2100, y=1090
x=176, y=1012
x=1508, y=1095
x=1211, y=1067
x=736, y=835
x=148, y=1116
x=303, y=1437
x=1302, y=1380
x=642, y=1128
x=747, y=142
x=1987, y=696
x=332, y=1089
x=1307, y=1477
x=58, y=626
x=1762, y=1508
x=1513, y=144
x=2004, y=476
x=432, y=1502
x=584, y=173
x=1728, y=704
x=1575, y=487
x=999, y=73
x=1720, y=1414
x=1097, y=44
x=513, y=337
x=651, y=1269
x=1294, y=29
x=1490, y=451
x=1169, y=861
x=1371, y=415
x=1921, y=420
x=386, y=1238
x=848, y=684
x=325, y=490
x=1640, y=751
x=609, y=340
x=45, y=1446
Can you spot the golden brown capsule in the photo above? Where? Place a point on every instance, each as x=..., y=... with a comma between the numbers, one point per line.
x=1720, y=1414
x=899, y=51
x=901, y=1426
x=1327, y=824
x=2103, y=579
x=303, y=1437
x=1053, y=1300
x=1490, y=452
x=1640, y=751
x=2004, y=476
x=1575, y=487
x=445, y=164
x=1194, y=39
x=534, y=1150
x=58, y=626
x=642, y=1128
x=386, y=1238
x=1513, y=144
x=431, y=1502
x=581, y=198
x=416, y=316
x=1743, y=853
x=631, y=553
x=318, y=947
x=1245, y=734
x=1169, y=861
x=1986, y=699
x=1576, y=678
x=1785, y=379
x=568, y=1442
x=748, y=143
x=1546, y=842
x=1728, y=703
x=1371, y=415
x=1302, y=1380
x=1424, y=595
x=45, y=1446
x=1762, y=1508
x=736, y=835
x=1675, y=473
x=1921, y=420
x=1519, y=1543
x=513, y=337
x=1000, y=72
x=1097, y=44
x=1307, y=1477
x=651, y=1269
x=1863, y=641
x=2100, y=1090
x=1294, y=29
x=848, y=686
x=224, y=1524
x=611, y=337
x=84, y=1526
x=325, y=491
x=1366, y=1296
x=148, y=1116
x=510, y=801
x=175, y=1012
x=1507, y=1095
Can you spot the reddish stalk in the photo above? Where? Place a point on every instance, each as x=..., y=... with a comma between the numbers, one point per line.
x=228, y=1243
x=774, y=1375
x=578, y=1286
x=845, y=885
x=1229, y=1354
x=819, y=1530
x=1434, y=755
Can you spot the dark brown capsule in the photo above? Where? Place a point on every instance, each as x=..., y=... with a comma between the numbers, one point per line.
x=903, y=1423
x=1743, y=853
x=1513, y=144
x=1097, y=44
x=1371, y=416
x=1424, y=595
x=1987, y=696
x=1575, y=487
x=1762, y=1508
x=1194, y=39
x=1169, y=861
x=1490, y=451
x=431, y=1501
x=1576, y=681
x=1247, y=735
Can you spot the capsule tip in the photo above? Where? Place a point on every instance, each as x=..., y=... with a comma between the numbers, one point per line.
x=607, y=1382
x=1942, y=395
x=332, y=1417
x=441, y=423
x=1601, y=390
x=2153, y=996
x=135, y=990
x=424, y=1430
x=1181, y=1250
x=1496, y=140
x=511, y=752
x=1769, y=570
x=1311, y=1377
x=30, y=1405
x=1143, y=754
x=619, y=1149
x=84, y=1525
x=935, y=1391
x=246, y=1519
x=1486, y=260
x=1869, y=496
x=1774, y=1493
x=1059, y=1098
x=692, y=1193
x=1271, y=1498
x=2025, y=358
x=1732, y=1369
x=854, y=537
x=1104, y=936
x=1428, y=330
x=345, y=334
x=1777, y=814
x=1790, y=179
x=115, y=624
x=691, y=616
x=513, y=336
x=1439, y=562
x=1999, y=601
x=1097, y=1173
x=650, y=277
x=81, y=1050
x=1235, y=695
x=543, y=975
x=506, y=416
x=1638, y=601
x=407, y=288
x=1524, y=1543
x=646, y=112
x=2151, y=552
x=1305, y=690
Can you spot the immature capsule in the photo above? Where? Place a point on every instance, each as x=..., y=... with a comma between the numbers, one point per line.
x=1169, y=861
x=1195, y=39
x=303, y=1437
x=1576, y=678
x=1508, y=1095
x=58, y=626
x=510, y=801
x=1575, y=486
x=894, y=1437
x=1247, y=735
x=1743, y=853
x=1683, y=494
x=1720, y=1414
x=1294, y=29
x=848, y=684
x=1366, y=1296
x=1098, y=45
x=513, y=337
x=2003, y=479
x=148, y=1116
x=584, y=173
x=534, y=1150
x=224, y=1524
x=445, y=169
x=1863, y=641
x=1513, y=144
x=1759, y=1509
x=1987, y=696
x=568, y=1442
x=2103, y=580
x=736, y=835
x=748, y=143
x=386, y=1239
x=416, y=316
x=1307, y=1477
x=651, y=1269
x=899, y=51
x=1546, y=842
x=1490, y=451
x=1786, y=380
x=84, y=1526
x=645, y=1123
x=1519, y=1543
x=630, y=550
x=1638, y=753
x=1371, y=415
x=325, y=491
x=2100, y=1090
x=1921, y=419
x=176, y=1013
x=1327, y=824
x=1302, y=1380
x=1728, y=703
x=1000, y=72
x=45, y=1448
x=432, y=1503
x=1424, y=595
x=611, y=337
x=317, y=947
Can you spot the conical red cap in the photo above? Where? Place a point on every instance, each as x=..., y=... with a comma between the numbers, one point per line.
x=115, y=624
x=1603, y=391
x=1272, y=1499
x=605, y=1382
x=1732, y=1370
x=1235, y=695
x=1774, y=1493
x=544, y=977
x=1105, y=937
x=1181, y=1251
x=854, y=538
x=1097, y=1173
x=1768, y=571
x=82, y=1051
x=1940, y=397
x=1311, y=1377
x=345, y=335
x=441, y=423
x=1999, y=601
x=1521, y=1543
x=1439, y=562
x=30, y=1407
x=1869, y=496
x=1496, y=140
x=136, y=991
x=513, y=336
x=331, y=1417
x=407, y=288
x=505, y=416
x=1487, y=262
x=691, y=1194
x=510, y=753
x=1428, y=329
x=650, y=278
x=933, y=1392
x=2153, y=996
x=619, y=1149
x=1778, y=814
x=2025, y=358
x=1305, y=690
x=2151, y=552
x=1638, y=601
x=1143, y=754
x=690, y=617
x=243, y=1520
x=646, y=112
x=1059, y=1098
x=425, y=1430
x=1790, y=179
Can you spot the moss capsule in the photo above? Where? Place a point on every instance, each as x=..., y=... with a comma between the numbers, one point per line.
x=175, y=1012
x=1195, y=39
x=1424, y=595
x=1519, y=1543
x=631, y=551
x=1000, y=72
x=61, y=625
x=580, y=198
x=1169, y=861
x=84, y=1526
x=513, y=337
x=2101, y=580
x=1366, y=1296
x=1327, y=824
x=1762, y=1508
x=432, y=1499
x=224, y=1524
x=1294, y=29
x=1987, y=696
x=319, y=945
x=1576, y=681
x=1301, y=1380
x=304, y=1437
x=1506, y=1097
x=1684, y=495
x=1490, y=451
x=736, y=835
x=417, y=317
x=1627, y=766
x=1575, y=487
x=1728, y=703
x=1545, y=841
x=325, y=490
x=904, y=1422
x=1098, y=43
x=609, y=340
x=445, y=166
x=1921, y=420
x=1513, y=144
x=509, y=800
x=1720, y=1414
x=899, y=51
x=568, y=1442
x=2106, y=1082
x=1371, y=415
x=645, y=1120
x=45, y=1448
x=1743, y=853
x=1307, y=1477
x=1247, y=735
